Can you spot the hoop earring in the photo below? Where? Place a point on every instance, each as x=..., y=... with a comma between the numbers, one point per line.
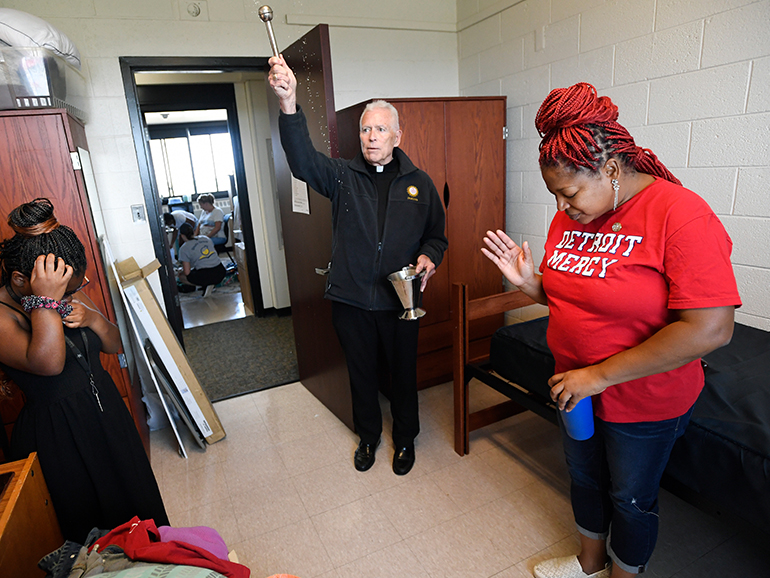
x=616, y=187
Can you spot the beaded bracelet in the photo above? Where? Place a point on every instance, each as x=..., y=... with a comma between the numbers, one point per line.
x=31, y=302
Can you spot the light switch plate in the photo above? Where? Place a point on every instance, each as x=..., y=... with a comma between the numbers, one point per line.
x=137, y=213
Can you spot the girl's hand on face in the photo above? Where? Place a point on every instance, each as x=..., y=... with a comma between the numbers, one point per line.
x=50, y=277
x=82, y=315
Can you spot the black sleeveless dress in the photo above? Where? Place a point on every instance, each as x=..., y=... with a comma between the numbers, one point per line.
x=93, y=461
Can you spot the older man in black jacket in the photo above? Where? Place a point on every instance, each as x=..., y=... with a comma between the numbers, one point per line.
x=386, y=214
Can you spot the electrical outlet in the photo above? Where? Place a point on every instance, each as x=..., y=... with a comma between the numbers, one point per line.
x=195, y=10
x=137, y=212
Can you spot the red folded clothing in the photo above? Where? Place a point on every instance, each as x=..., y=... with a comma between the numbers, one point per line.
x=140, y=540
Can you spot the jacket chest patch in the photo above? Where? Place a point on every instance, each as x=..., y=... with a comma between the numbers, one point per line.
x=413, y=193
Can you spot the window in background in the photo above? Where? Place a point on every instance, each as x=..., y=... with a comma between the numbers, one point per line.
x=190, y=157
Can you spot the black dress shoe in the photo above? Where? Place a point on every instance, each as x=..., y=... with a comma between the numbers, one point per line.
x=364, y=458
x=403, y=460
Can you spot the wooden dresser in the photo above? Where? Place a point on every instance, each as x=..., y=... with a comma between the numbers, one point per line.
x=28, y=526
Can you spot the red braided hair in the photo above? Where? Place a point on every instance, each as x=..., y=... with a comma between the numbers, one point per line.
x=580, y=128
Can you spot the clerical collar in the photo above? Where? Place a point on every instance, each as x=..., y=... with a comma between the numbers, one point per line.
x=391, y=167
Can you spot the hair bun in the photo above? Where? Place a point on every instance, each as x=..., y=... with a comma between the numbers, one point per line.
x=33, y=218
x=576, y=105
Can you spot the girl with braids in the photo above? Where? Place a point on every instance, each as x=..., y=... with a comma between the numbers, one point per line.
x=639, y=285
x=91, y=455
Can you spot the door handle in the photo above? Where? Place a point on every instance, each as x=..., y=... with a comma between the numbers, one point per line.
x=322, y=271
x=446, y=195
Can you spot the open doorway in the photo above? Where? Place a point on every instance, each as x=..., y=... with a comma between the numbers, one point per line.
x=201, y=127
x=193, y=160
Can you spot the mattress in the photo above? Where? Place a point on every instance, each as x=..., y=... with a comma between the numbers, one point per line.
x=724, y=455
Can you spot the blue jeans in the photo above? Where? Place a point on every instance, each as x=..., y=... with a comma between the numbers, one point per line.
x=615, y=480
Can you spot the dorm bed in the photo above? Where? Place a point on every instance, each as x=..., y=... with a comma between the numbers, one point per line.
x=721, y=464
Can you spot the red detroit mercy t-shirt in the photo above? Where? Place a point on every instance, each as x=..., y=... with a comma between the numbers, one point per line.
x=609, y=290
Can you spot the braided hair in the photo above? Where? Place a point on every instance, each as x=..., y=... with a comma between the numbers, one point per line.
x=38, y=232
x=580, y=129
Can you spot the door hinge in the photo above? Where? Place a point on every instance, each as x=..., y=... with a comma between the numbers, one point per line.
x=505, y=133
x=76, y=161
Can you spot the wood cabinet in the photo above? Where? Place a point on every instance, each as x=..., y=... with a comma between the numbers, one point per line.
x=460, y=143
x=28, y=526
x=39, y=158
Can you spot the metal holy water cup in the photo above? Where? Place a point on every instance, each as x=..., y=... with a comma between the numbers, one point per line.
x=407, y=283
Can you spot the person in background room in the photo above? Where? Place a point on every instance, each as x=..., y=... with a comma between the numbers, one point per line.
x=90, y=452
x=176, y=219
x=639, y=285
x=386, y=214
x=211, y=221
x=200, y=263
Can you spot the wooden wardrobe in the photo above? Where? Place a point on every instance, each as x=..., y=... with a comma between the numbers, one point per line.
x=460, y=143
x=39, y=158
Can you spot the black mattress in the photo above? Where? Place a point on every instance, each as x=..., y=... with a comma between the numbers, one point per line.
x=724, y=456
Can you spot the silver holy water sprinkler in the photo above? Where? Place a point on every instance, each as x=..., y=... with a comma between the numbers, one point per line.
x=266, y=15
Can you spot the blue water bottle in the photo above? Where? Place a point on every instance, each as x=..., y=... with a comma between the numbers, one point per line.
x=579, y=422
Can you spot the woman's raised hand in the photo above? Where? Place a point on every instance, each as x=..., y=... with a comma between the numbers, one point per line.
x=514, y=262
x=50, y=277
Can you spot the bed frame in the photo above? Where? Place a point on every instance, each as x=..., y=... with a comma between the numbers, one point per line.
x=466, y=367
x=720, y=473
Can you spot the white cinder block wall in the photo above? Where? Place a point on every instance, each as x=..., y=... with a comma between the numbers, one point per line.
x=691, y=80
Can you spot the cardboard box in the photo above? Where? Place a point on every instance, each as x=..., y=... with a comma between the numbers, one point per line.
x=148, y=312
x=239, y=249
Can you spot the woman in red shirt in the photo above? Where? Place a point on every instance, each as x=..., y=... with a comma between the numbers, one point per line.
x=639, y=285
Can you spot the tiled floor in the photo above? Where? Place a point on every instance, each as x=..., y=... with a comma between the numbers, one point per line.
x=220, y=306
x=282, y=491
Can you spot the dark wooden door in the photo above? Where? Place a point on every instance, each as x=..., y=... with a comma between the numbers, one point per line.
x=308, y=238
x=36, y=161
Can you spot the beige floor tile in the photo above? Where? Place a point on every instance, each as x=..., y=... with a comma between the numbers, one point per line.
x=311, y=452
x=287, y=422
x=518, y=527
x=187, y=489
x=456, y=549
x=241, y=440
x=179, y=519
x=219, y=515
x=471, y=483
x=554, y=500
x=433, y=451
x=267, y=508
x=507, y=464
x=259, y=486
x=236, y=409
x=516, y=571
x=417, y=505
x=254, y=470
x=294, y=549
x=354, y=530
x=396, y=561
x=330, y=487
